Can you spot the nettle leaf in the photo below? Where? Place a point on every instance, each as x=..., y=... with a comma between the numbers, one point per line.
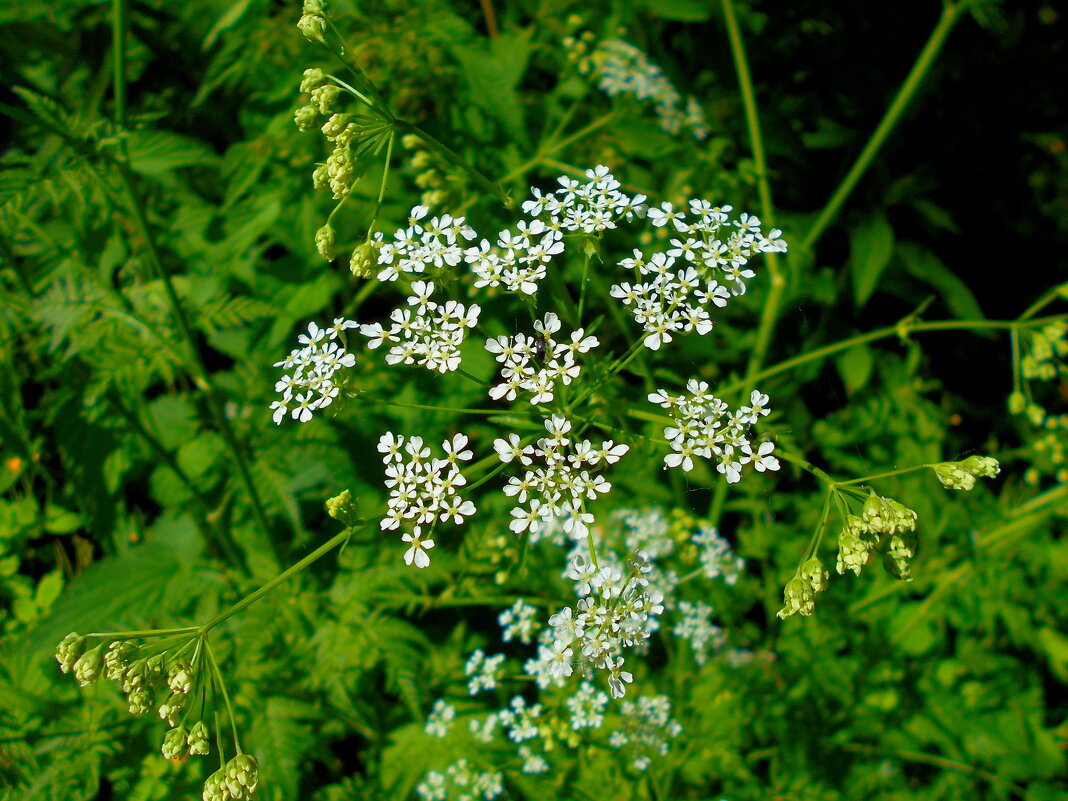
x=871, y=244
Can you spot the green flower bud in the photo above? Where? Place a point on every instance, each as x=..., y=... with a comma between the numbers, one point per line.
x=180, y=676
x=364, y=258
x=215, y=787
x=1017, y=403
x=1036, y=414
x=877, y=514
x=174, y=743
x=198, y=742
x=342, y=507
x=897, y=566
x=799, y=598
x=313, y=79
x=324, y=241
x=172, y=707
x=981, y=466
x=118, y=659
x=334, y=126
x=140, y=701
x=324, y=96
x=306, y=117
x=953, y=476
x=853, y=546
x=313, y=27
x=87, y=668
x=242, y=776
x=321, y=177
x=317, y=7
x=815, y=573
x=69, y=650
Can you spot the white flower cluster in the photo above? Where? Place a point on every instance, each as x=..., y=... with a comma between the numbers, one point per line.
x=587, y=707
x=482, y=671
x=561, y=488
x=441, y=718
x=648, y=729
x=460, y=782
x=704, y=426
x=519, y=622
x=535, y=364
x=520, y=720
x=696, y=626
x=310, y=385
x=427, y=333
x=423, y=246
x=518, y=261
x=621, y=68
x=716, y=555
x=674, y=289
x=616, y=610
x=423, y=490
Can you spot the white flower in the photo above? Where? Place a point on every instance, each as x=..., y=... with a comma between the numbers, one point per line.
x=418, y=552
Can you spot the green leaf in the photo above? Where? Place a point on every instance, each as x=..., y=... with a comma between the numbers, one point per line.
x=122, y=590
x=281, y=737
x=855, y=367
x=927, y=267
x=494, y=75
x=62, y=521
x=680, y=10
x=871, y=244
x=157, y=152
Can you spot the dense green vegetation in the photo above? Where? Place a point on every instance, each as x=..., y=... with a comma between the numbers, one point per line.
x=616, y=567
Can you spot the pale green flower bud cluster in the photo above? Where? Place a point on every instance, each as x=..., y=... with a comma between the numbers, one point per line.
x=237, y=781
x=364, y=260
x=962, y=475
x=312, y=22
x=799, y=597
x=880, y=517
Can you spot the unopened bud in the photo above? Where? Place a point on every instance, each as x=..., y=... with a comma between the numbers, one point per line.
x=815, y=573
x=362, y=263
x=799, y=598
x=174, y=743
x=324, y=241
x=198, y=742
x=69, y=650
x=313, y=27
x=306, y=117
x=342, y=507
x=953, y=476
x=313, y=79
x=981, y=466
x=87, y=668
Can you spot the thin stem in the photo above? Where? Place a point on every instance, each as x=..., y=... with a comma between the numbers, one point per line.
x=129, y=635
x=118, y=66
x=903, y=328
x=950, y=15
x=867, y=479
x=769, y=314
x=226, y=695
x=1046, y=299
x=453, y=157
x=491, y=19
x=600, y=122
x=281, y=578
x=449, y=409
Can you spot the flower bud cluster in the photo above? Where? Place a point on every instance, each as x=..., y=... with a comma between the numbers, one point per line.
x=312, y=22
x=236, y=781
x=962, y=475
x=799, y=597
x=675, y=288
x=881, y=517
x=426, y=333
x=423, y=491
x=521, y=257
x=621, y=68
x=310, y=385
x=561, y=488
x=704, y=426
x=535, y=364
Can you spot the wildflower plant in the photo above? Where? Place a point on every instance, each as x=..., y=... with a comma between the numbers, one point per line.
x=533, y=411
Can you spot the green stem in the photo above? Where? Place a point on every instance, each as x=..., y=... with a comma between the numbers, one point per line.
x=902, y=328
x=868, y=479
x=118, y=66
x=770, y=313
x=281, y=578
x=454, y=158
x=128, y=635
x=600, y=122
x=448, y=409
x=1060, y=291
x=805, y=465
x=217, y=676
x=950, y=15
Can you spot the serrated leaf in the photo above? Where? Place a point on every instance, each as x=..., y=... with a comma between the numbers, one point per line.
x=870, y=244
x=494, y=75
x=281, y=737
